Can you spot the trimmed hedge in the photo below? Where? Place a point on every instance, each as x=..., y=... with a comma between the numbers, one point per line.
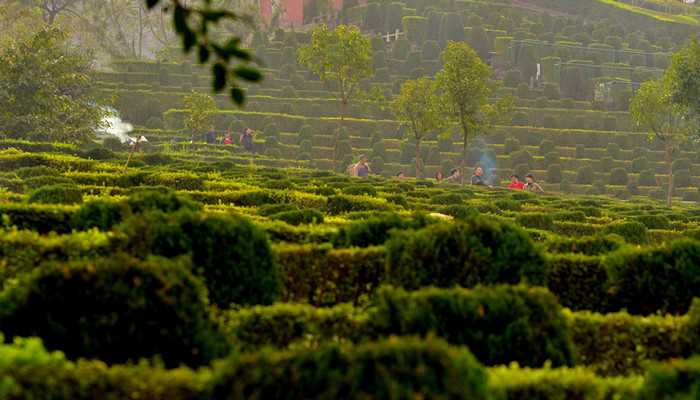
x=116, y=309
x=466, y=253
x=505, y=323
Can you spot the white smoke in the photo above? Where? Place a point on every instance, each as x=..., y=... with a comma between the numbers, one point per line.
x=112, y=125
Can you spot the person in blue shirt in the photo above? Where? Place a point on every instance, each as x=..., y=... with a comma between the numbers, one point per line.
x=362, y=168
x=247, y=140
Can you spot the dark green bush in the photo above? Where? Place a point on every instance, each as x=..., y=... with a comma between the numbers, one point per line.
x=618, y=176
x=477, y=250
x=115, y=309
x=232, y=255
x=100, y=214
x=585, y=175
x=678, y=380
x=375, y=230
x=57, y=194
x=587, y=245
x=159, y=198
x=267, y=210
x=341, y=204
x=502, y=324
x=157, y=159
x=654, y=221
x=632, y=231
x=639, y=164
x=447, y=199
x=357, y=190
x=405, y=368
x=543, y=221
x=647, y=178
x=460, y=211
x=35, y=182
x=298, y=217
x=99, y=153
x=578, y=281
x=663, y=279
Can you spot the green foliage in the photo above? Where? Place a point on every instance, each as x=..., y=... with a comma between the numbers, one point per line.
x=98, y=309
x=467, y=253
x=57, y=194
x=232, y=255
x=662, y=279
x=579, y=281
x=397, y=368
x=506, y=323
x=674, y=381
x=202, y=109
x=632, y=231
x=375, y=230
x=100, y=214
x=43, y=79
x=298, y=217
x=159, y=198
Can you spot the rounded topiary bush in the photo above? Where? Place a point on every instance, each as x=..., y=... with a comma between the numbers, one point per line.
x=100, y=214
x=554, y=173
x=375, y=230
x=585, y=175
x=99, y=153
x=647, y=178
x=298, y=217
x=618, y=176
x=117, y=309
x=398, y=368
x=474, y=251
x=57, y=194
x=360, y=189
x=546, y=146
x=639, y=164
x=35, y=182
x=502, y=324
x=677, y=380
x=632, y=231
x=232, y=255
x=650, y=280
x=159, y=198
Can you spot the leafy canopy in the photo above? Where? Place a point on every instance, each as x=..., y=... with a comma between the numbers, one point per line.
x=652, y=108
x=683, y=77
x=417, y=105
x=343, y=55
x=202, y=110
x=46, y=89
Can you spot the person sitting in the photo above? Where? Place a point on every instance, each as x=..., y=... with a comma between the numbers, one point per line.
x=454, y=177
x=439, y=176
x=228, y=139
x=401, y=175
x=478, y=177
x=531, y=185
x=211, y=136
x=516, y=183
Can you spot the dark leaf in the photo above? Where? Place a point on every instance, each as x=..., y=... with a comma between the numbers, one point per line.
x=237, y=96
x=180, y=19
x=188, y=39
x=203, y=54
x=151, y=3
x=248, y=74
x=219, y=72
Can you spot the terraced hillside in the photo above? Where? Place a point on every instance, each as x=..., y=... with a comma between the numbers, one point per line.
x=570, y=125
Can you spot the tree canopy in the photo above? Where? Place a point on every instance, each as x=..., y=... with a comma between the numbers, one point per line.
x=46, y=89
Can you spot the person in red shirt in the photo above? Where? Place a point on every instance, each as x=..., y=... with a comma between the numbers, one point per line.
x=516, y=183
x=228, y=139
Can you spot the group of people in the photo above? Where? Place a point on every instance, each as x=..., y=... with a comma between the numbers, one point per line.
x=362, y=169
x=245, y=139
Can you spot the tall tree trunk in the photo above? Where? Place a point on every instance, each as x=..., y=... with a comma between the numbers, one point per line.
x=669, y=165
x=418, y=160
x=343, y=110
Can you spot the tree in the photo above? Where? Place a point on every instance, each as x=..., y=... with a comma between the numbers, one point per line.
x=342, y=56
x=417, y=106
x=652, y=108
x=202, y=109
x=47, y=89
x=465, y=86
x=683, y=77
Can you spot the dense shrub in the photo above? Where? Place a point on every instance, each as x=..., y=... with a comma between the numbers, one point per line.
x=654, y=221
x=375, y=230
x=631, y=231
x=505, y=323
x=342, y=204
x=663, y=279
x=578, y=281
x=100, y=214
x=447, y=199
x=554, y=173
x=467, y=253
x=521, y=157
x=618, y=176
x=460, y=211
x=679, y=380
x=543, y=221
x=647, y=178
x=585, y=176
x=159, y=198
x=405, y=368
x=230, y=253
x=361, y=189
x=546, y=146
x=36, y=182
x=115, y=309
x=157, y=159
x=298, y=217
x=57, y=194
x=587, y=245
x=639, y=164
